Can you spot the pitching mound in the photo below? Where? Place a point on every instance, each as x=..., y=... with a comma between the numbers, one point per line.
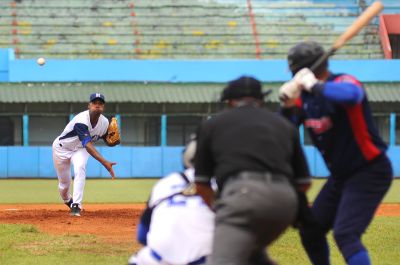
x=112, y=222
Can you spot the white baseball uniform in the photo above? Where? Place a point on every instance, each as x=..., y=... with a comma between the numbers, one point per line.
x=70, y=147
x=181, y=228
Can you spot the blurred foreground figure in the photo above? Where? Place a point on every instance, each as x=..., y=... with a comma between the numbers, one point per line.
x=177, y=226
x=258, y=163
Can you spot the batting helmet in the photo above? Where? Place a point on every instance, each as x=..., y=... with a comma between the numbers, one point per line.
x=188, y=153
x=305, y=54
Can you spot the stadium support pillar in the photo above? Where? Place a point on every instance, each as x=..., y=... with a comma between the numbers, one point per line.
x=25, y=130
x=301, y=131
x=392, y=133
x=163, y=130
x=163, y=141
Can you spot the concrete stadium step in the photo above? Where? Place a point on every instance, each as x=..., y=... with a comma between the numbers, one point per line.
x=64, y=4
x=186, y=47
x=172, y=22
x=127, y=20
x=276, y=39
x=151, y=54
x=111, y=3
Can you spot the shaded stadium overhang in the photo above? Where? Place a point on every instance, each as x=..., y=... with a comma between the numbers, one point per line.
x=153, y=93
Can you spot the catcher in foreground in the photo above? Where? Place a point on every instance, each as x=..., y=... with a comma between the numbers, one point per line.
x=176, y=227
x=76, y=143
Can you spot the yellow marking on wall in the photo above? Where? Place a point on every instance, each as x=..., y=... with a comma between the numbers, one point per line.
x=51, y=41
x=112, y=42
x=232, y=24
x=162, y=44
x=24, y=24
x=213, y=44
x=108, y=24
x=272, y=43
x=25, y=32
x=198, y=33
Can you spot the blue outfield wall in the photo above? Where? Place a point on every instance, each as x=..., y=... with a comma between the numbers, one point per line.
x=218, y=71
x=37, y=162
x=214, y=71
x=132, y=162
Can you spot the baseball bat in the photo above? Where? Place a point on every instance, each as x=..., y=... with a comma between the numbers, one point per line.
x=351, y=31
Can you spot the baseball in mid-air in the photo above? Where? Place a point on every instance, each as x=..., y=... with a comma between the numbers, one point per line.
x=41, y=61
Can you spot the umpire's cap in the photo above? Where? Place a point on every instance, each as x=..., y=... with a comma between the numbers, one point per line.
x=304, y=54
x=244, y=86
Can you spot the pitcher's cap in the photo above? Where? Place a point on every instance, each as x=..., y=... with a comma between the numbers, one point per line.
x=97, y=96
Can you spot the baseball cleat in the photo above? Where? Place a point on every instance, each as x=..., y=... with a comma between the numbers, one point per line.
x=75, y=210
x=69, y=203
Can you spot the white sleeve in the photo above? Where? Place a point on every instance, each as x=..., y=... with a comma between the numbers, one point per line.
x=81, y=118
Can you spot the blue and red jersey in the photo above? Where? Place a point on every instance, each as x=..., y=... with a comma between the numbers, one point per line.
x=339, y=120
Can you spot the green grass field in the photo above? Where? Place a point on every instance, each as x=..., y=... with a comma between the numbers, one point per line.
x=24, y=244
x=382, y=240
x=110, y=191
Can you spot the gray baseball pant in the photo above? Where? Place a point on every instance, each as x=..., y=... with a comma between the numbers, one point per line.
x=250, y=214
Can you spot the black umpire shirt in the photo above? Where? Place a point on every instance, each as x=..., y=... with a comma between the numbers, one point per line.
x=249, y=138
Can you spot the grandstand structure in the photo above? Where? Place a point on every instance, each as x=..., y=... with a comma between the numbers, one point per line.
x=172, y=29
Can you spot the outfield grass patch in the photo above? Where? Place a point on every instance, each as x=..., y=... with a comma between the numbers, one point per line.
x=96, y=190
x=114, y=191
x=23, y=244
x=381, y=239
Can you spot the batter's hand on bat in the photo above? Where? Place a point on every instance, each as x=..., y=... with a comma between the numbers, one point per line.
x=288, y=93
x=306, y=79
x=108, y=165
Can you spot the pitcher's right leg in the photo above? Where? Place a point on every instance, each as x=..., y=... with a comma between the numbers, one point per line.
x=63, y=169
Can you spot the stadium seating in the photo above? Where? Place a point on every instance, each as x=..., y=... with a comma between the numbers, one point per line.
x=180, y=29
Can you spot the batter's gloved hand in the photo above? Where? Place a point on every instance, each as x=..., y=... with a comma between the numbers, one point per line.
x=288, y=93
x=306, y=79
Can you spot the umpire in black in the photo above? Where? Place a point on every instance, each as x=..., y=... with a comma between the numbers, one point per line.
x=258, y=163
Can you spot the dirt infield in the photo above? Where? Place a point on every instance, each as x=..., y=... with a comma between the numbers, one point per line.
x=112, y=222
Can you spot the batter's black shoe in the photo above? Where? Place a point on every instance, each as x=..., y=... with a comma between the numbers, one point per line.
x=75, y=210
x=69, y=203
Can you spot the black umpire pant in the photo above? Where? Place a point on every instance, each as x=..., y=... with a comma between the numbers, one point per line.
x=252, y=211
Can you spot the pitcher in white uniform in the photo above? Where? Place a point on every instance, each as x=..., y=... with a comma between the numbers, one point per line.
x=177, y=226
x=74, y=145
